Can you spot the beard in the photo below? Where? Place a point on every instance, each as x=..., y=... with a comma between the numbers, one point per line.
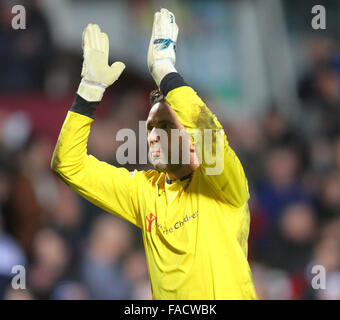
x=158, y=160
x=159, y=166
x=162, y=160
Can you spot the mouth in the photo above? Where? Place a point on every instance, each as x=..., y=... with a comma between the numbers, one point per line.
x=155, y=150
x=155, y=153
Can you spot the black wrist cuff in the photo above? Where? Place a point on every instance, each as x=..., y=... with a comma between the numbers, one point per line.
x=171, y=81
x=84, y=107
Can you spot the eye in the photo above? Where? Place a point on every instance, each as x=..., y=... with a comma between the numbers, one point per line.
x=163, y=125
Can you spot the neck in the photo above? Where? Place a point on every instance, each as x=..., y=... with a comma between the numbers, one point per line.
x=183, y=171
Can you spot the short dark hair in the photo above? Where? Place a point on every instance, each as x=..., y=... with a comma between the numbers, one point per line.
x=156, y=96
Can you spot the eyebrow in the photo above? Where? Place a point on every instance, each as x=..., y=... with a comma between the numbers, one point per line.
x=152, y=122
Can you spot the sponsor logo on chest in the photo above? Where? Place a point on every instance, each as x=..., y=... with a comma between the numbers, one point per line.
x=152, y=223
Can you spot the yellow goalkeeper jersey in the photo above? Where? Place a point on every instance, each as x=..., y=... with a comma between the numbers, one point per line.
x=195, y=230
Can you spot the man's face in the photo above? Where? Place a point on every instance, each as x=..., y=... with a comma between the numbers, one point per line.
x=161, y=120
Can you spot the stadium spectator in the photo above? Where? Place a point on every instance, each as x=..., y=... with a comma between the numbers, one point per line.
x=11, y=255
x=50, y=263
x=26, y=55
x=101, y=269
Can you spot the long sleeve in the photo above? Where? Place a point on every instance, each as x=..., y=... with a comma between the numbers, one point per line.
x=110, y=188
x=225, y=175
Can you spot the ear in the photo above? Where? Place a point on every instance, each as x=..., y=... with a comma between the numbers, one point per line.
x=192, y=146
x=194, y=163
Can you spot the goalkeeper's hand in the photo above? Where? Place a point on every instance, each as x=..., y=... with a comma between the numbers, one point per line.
x=96, y=74
x=162, y=47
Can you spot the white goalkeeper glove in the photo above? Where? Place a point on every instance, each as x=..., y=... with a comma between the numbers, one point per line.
x=162, y=47
x=96, y=74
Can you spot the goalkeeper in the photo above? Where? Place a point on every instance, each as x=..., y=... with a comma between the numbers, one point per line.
x=194, y=224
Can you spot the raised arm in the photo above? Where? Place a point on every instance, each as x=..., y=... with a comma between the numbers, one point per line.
x=110, y=188
x=218, y=161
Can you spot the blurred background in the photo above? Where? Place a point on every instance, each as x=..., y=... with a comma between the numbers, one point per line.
x=272, y=80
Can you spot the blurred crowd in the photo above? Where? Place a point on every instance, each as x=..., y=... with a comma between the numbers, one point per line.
x=293, y=167
x=73, y=250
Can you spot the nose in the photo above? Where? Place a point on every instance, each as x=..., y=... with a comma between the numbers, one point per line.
x=154, y=136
